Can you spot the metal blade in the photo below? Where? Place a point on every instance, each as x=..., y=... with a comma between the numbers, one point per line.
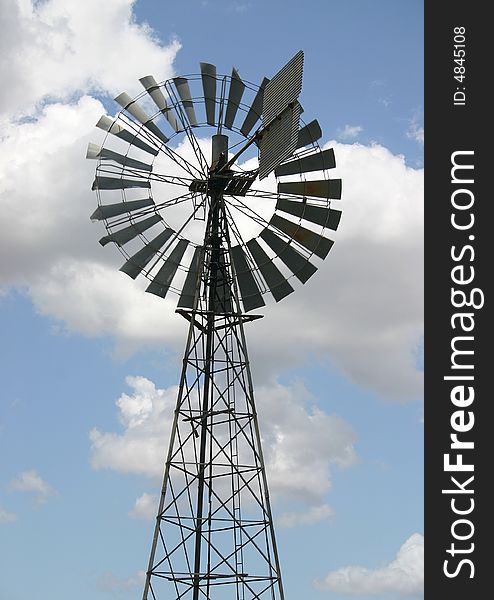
x=251, y=296
x=113, y=210
x=330, y=188
x=278, y=285
x=327, y=217
x=94, y=152
x=131, y=106
x=235, y=93
x=314, y=162
x=255, y=110
x=298, y=265
x=283, y=89
x=208, y=74
x=279, y=140
x=151, y=86
x=107, y=124
x=188, y=294
x=161, y=283
x=309, y=134
x=129, y=233
x=183, y=90
x=114, y=183
x=310, y=240
x=136, y=263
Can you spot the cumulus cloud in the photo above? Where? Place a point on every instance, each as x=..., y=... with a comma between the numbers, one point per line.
x=31, y=482
x=145, y=507
x=146, y=417
x=295, y=433
x=349, y=132
x=403, y=576
x=314, y=515
x=109, y=582
x=57, y=48
x=415, y=131
x=6, y=516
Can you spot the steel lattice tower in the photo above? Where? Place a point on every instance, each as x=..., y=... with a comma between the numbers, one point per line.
x=214, y=529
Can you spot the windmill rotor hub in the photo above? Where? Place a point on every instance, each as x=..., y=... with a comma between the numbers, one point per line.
x=227, y=182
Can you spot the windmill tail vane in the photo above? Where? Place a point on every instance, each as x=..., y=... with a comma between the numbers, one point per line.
x=214, y=536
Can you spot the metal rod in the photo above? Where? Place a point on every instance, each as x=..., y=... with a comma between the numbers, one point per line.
x=215, y=240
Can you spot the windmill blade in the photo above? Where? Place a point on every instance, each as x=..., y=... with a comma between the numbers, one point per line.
x=163, y=279
x=277, y=283
x=309, y=239
x=298, y=265
x=283, y=89
x=183, y=90
x=115, y=183
x=94, y=152
x=251, y=296
x=235, y=93
x=208, y=75
x=279, y=140
x=255, y=110
x=126, y=234
x=330, y=188
x=107, y=124
x=187, y=296
x=309, y=134
x=319, y=161
x=130, y=105
x=320, y=215
x=113, y=210
x=136, y=263
x=152, y=88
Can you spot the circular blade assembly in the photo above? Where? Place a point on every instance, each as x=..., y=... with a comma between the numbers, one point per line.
x=158, y=170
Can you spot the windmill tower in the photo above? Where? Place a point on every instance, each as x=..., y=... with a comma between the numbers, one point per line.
x=220, y=234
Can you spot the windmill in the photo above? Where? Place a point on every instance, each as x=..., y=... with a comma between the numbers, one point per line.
x=222, y=235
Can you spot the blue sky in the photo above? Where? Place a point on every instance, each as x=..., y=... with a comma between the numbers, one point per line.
x=347, y=376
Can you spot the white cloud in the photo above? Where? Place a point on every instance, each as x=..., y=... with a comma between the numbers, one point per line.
x=145, y=507
x=314, y=515
x=415, y=131
x=31, y=482
x=145, y=417
x=349, y=132
x=294, y=434
x=403, y=576
x=6, y=516
x=381, y=92
x=56, y=48
x=297, y=433
x=109, y=582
